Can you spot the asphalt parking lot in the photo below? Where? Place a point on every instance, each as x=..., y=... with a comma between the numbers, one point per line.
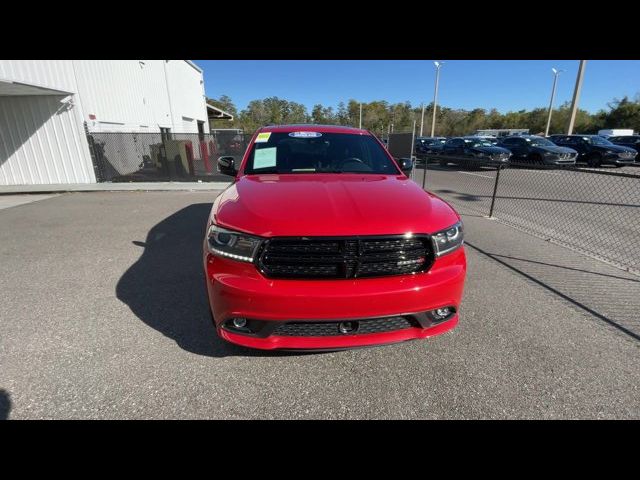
x=104, y=315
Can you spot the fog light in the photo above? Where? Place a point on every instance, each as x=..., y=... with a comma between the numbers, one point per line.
x=442, y=314
x=239, y=322
x=348, y=327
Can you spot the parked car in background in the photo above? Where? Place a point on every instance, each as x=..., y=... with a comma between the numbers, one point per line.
x=473, y=151
x=631, y=141
x=595, y=150
x=493, y=140
x=425, y=144
x=534, y=150
x=615, y=132
x=323, y=242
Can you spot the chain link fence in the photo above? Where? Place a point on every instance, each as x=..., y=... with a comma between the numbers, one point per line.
x=131, y=157
x=594, y=211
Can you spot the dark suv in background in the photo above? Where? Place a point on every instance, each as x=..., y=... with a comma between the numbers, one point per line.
x=596, y=150
x=631, y=141
x=533, y=150
x=473, y=151
x=427, y=144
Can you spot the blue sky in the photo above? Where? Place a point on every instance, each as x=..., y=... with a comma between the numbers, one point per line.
x=502, y=84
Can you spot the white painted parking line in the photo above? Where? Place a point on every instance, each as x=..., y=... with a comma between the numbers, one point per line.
x=8, y=201
x=477, y=175
x=548, y=173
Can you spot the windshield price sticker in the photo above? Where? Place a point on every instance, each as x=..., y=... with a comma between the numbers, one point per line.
x=305, y=134
x=263, y=137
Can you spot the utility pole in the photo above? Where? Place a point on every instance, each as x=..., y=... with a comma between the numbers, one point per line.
x=576, y=96
x=422, y=119
x=360, y=114
x=435, y=97
x=556, y=73
x=413, y=145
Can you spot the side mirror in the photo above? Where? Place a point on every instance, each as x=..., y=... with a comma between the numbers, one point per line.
x=406, y=165
x=227, y=166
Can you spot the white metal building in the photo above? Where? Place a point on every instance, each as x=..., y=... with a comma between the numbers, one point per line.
x=45, y=105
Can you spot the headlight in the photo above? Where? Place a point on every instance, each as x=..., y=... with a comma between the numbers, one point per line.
x=448, y=240
x=235, y=245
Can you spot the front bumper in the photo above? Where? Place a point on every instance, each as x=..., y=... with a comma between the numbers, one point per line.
x=616, y=159
x=559, y=160
x=237, y=289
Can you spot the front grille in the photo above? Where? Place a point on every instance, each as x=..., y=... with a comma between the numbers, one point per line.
x=563, y=157
x=345, y=257
x=329, y=329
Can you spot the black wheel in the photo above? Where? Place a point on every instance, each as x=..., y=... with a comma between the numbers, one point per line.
x=594, y=160
x=535, y=159
x=443, y=163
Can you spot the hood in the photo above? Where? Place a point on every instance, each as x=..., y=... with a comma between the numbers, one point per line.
x=553, y=149
x=491, y=150
x=614, y=148
x=330, y=205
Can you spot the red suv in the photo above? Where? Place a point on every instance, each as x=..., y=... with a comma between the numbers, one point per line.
x=323, y=242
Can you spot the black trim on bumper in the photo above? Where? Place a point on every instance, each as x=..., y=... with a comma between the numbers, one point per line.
x=266, y=328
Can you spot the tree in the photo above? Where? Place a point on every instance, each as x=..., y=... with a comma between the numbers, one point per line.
x=623, y=113
x=342, y=115
x=224, y=103
x=378, y=115
x=323, y=115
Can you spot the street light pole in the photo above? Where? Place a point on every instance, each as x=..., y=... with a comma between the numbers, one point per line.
x=576, y=96
x=422, y=119
x=435, y=97
x=360, y=114
x=553, y=96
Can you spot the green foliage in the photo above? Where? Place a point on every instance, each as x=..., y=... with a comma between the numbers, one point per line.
x=380, y=116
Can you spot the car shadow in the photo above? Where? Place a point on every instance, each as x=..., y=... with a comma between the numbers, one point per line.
x=5, y=404
x=165, y=287
x=576, y=286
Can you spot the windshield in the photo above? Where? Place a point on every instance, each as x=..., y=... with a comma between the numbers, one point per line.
x=315, y=152
x=540, y=142
x=596, y=140
x=478, y=142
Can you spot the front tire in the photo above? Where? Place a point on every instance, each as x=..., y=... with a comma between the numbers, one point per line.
x=594, y=160
x=535, y=159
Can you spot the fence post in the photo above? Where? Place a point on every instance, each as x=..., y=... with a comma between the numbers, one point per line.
x=495, y=189
x=424, y=176
x=96, y=168
x=413, y=143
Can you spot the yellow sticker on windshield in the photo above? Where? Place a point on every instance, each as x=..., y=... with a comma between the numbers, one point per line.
x=263, y=137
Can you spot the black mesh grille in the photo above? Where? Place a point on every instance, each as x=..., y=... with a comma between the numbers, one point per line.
x=346, y=257
x=328, y=329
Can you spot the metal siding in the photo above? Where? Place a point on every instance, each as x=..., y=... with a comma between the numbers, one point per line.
x=186, y=90
x=113, y=91
x=56, y=74
x=41, y=142
x=156, y=94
